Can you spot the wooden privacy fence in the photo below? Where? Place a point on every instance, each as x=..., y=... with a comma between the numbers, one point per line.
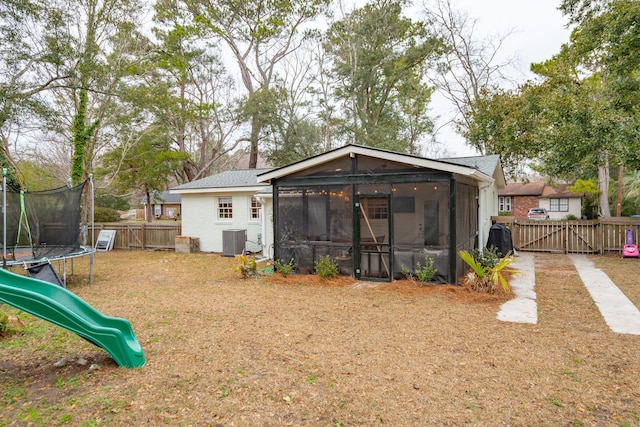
x=604, y=235
x=142, y=235
x=588, y=237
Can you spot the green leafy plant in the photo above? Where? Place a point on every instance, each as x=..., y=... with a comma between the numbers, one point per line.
x=426, y=272
x=489, y=279
x=246, y=266
x=487, y=258
x=284, y=269
x=326, y=267
x=423, y=273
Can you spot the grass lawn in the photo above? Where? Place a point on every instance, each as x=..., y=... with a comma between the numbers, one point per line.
x=224, y=351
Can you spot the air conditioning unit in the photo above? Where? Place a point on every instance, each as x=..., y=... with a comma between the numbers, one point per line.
x=233, y=242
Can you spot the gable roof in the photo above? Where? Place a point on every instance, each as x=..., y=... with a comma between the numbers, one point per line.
x=538, y=189
x=522, y=189
x=489, y=165
x=245, y=179
x=163, y=198
x=352, y=149
x=560, y=191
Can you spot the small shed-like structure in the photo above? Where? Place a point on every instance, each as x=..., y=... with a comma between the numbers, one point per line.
x=378, y=212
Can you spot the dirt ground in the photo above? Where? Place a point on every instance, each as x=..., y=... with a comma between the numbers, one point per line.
x=222, y=351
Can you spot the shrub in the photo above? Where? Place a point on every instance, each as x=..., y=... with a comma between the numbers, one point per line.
x=246, y=266
x=326, y=267
x=284, y=269
x=487, y=279
x=571, y=217
x=105, y=215
x=423, y=273
x=487, y=258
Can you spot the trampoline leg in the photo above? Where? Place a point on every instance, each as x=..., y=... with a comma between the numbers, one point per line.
x=91, y=268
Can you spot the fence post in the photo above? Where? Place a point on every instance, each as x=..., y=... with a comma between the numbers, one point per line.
x=143, y=234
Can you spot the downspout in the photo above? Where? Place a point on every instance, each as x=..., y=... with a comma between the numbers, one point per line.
x=263, y=227
x=275, y=229
x=484, y=223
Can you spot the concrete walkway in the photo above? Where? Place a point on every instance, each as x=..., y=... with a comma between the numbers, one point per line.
x=618, y=311
x=523, y=308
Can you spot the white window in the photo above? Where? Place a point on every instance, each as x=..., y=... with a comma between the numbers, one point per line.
x=376, y=208
x=254, y=215
x=559, y=205
x=225, y=208
x=504, y=204
x=157, y=210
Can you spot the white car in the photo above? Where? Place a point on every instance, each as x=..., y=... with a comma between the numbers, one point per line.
x=538, y=213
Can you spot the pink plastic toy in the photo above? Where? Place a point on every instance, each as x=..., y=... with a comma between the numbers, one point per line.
x=630, y=250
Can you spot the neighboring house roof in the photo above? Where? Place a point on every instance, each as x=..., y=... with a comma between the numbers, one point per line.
x=224, y=181
x=538, y=189
x=163, y=198
x=522, y=189
x=351, y=149
x=559, y=191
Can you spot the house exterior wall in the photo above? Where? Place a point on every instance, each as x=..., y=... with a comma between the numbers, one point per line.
x=267, y=227
x=200, y=219
x=170, y=211
x=575, y=208
x=520, y=206
x=488, y=205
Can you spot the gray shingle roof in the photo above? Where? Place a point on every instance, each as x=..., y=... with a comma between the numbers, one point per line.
x=485, y=164
x=163, y=198
x=227, y=179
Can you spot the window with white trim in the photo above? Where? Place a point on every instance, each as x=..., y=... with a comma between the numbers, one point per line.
x=559, y=205
x=376, y=208
x=157, y=210
x=225, y=208
x=504, y=204
x=254, y=215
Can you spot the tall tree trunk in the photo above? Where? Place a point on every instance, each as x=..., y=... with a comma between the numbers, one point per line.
x=620, y=188
x=149, y=205
x=603, y=185
x=255, y=135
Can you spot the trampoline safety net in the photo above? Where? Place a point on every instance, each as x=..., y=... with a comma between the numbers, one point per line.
x=44, y=223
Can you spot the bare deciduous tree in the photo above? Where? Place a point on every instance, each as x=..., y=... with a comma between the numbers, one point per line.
x=470, y=66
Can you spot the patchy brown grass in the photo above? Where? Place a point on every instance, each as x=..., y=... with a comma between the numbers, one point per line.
x=306, y=352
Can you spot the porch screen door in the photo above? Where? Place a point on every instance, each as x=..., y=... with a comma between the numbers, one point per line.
x=373, y=234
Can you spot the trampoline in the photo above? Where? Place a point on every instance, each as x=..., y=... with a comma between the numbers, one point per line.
x=40, y=227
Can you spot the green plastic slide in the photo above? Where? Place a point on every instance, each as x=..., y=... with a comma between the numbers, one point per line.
x=61, y=307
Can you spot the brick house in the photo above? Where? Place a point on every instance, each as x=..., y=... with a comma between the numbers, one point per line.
x=517, y=198
x=165, y=205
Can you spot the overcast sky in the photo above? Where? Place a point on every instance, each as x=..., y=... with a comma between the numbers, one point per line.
x=538, y=32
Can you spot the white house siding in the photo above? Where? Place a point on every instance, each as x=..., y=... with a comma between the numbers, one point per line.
x=575, y=208
x=267, y=234
x=488, y=201
x=200, y=219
